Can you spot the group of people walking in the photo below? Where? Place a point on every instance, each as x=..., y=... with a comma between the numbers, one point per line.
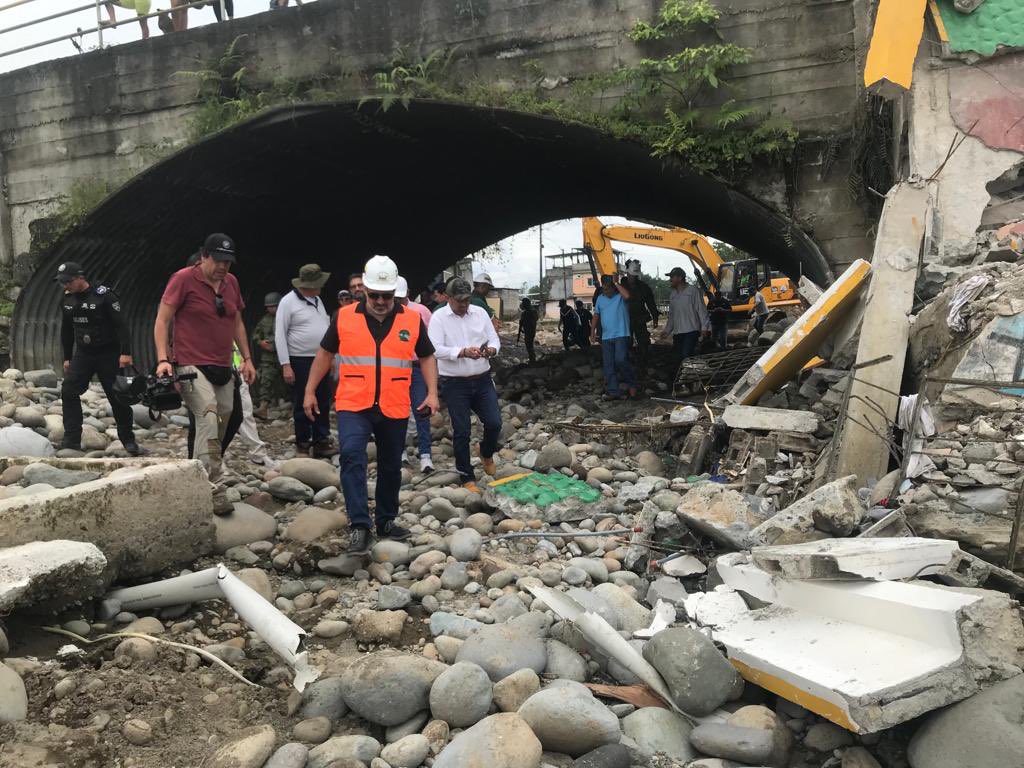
x=377, y=360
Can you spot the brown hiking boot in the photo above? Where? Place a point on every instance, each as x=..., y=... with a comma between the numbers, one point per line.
x=262, y=413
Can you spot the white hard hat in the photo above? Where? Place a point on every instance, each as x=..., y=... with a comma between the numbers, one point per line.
x=401, y=288
x=484, y=278
x=380, y=274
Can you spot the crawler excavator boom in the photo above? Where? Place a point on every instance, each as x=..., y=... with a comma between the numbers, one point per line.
x=738, y=281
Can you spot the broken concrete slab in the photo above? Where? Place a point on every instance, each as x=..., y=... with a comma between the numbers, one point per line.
x=852, y=559
x=786, y=357
x=50, y=575
x=895, y=650
x=751, y=417
x=721, y=514
x=874, y=393
x=832, y=509
x=117, y=512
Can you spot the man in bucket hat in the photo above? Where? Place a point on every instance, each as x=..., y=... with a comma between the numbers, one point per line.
x=300, y=325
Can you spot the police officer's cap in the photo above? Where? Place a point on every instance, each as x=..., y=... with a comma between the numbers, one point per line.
x=68, y=271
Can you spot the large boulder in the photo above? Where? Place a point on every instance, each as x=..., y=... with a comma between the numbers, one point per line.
x=18, y=441
x=389, y=688
x=244, y=525
x=829, y=511
x=461, y=695
x=315, y=473
x=983, y=731
x=569, y=720
x=660, y=730
x=498, y=741
x=313, y=522
x=501, y=649
x=696, y=673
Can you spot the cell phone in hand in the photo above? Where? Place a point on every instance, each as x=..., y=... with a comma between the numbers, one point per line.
x=425, y=410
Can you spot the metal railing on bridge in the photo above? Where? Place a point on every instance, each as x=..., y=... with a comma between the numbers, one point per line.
x=79, y=33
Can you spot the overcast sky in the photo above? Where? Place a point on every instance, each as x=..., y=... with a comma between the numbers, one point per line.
x=123, y=33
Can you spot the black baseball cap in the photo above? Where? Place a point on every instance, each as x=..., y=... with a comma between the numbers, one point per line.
x=676, y=272
x=220, y=247
x=68, y=271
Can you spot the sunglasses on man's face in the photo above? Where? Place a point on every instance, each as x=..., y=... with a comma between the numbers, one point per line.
x=380, y=296
x=218, y=303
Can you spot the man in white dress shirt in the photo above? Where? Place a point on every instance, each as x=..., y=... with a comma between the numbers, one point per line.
x=300, y=324
x=464, y=339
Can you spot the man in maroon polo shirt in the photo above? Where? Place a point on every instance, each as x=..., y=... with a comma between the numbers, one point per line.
x=205, y=304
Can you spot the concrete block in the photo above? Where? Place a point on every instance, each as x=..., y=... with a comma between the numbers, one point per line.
x=845, y=559
x=892, y=650
x=751, y=417
x=49, y=575
x=143, y=514
x=831, y=509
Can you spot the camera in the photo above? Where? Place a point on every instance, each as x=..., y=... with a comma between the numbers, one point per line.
x=162, y=393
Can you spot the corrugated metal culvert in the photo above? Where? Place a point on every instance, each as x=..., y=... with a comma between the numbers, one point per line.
x=335, y=184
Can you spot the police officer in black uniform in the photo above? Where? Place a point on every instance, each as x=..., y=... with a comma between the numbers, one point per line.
x=95, y=340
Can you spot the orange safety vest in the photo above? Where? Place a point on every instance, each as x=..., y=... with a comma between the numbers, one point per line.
x=369, y=374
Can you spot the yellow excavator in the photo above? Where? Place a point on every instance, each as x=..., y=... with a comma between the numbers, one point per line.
x=736, y=280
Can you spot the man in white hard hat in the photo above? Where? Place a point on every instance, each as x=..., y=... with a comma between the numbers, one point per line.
x=377, y=340
x=482, y=286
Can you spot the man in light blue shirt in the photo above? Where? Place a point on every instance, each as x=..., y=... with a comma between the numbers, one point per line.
x=611, y=319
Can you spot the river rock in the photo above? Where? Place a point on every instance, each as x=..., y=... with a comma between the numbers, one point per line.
x=324, y=698
x=244, y=525
x=290, y=489
x=314, y=730
x=453, y=625
x=827, y=737
x=511, y=692
x=698, y=676
x=754, y=716
x=43, y=378
x=454, y=577
x=501, y=649
x=731, y=742
x=651, y=463
x=290, y=755
x=407, y=752
x=465, y=545
x=608, y=756
x=461, y=695
x=13, y=698
x=313, y=522
x=379, y=626
x=390, y=597
x=30, y=416
x=441, y=508
x=659, y=730
x=594, y=568
x=983, y=731
x=389, y=688
x=554, y=455
x=421, y=566
x=508, y=607
x=498, y=741
x=565, y=663
x=56, y=476
x=247, y=749
x=570, y=721
x=18, y=441
x=342, y=565
x=631, y=614
x=341, y=748
x=314, y=473
x=388, y=551
x=721, y=514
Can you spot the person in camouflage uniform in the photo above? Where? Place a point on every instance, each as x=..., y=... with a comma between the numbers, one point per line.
x=271, y=385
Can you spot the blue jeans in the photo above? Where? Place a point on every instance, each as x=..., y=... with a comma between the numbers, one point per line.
x=720, y=333
x=418, y=393
x=354, y=430
x=685, y=344
x=307, y=431
x=617, y=370
x=463, y=397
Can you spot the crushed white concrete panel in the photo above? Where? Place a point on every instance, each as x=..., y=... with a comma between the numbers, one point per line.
x=869, y=655
x=879, y=559
x=49, y=575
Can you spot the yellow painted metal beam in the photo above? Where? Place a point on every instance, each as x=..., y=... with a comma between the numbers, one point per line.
x=895, y=38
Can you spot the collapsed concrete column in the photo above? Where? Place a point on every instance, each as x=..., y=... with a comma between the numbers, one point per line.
x=874, y=392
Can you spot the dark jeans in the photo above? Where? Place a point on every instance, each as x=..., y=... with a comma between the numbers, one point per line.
x=86, y=363
x=759, y=321
x=229, y=6
x=307, y=431
x=618, y=373
x=531, y=351
x=463, y=397
x=720, y=334
x=642, y=337
x=354, y=430
x=685, y=344
x=418, y=393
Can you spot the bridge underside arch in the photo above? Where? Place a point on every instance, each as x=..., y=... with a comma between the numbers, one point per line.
x=334, y=184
